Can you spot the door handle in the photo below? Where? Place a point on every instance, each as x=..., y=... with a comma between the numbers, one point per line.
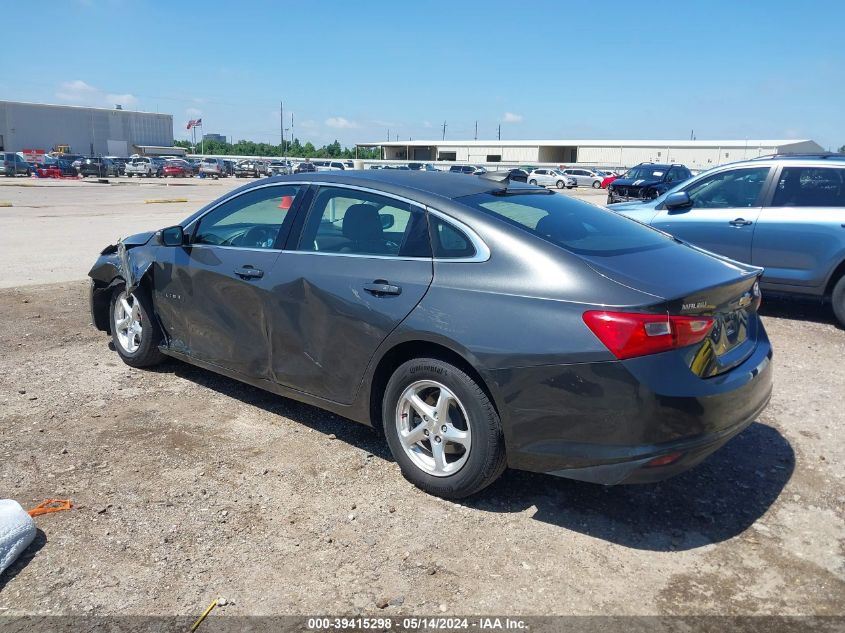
x=740, y=222
x=380, y=288
x=249, y=272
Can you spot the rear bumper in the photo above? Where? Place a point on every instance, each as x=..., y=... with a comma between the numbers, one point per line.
x=604, y=422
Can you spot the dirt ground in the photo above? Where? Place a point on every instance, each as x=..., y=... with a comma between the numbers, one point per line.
x=189, y=486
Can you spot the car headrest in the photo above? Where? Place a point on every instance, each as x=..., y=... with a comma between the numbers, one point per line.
x=362, y=222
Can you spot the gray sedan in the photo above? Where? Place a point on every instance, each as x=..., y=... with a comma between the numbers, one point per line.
x=479, y=323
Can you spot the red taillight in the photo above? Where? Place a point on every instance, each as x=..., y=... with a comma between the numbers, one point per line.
x=630, y=334
x=664, y=460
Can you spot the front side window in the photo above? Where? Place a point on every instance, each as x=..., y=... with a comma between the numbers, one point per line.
x=810, y=187
x=736, y=188
x=254, y=219
x=361, y=223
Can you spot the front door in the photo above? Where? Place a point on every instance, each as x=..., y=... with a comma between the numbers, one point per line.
x=212, y=294
x=724, y=212
x=362, y=264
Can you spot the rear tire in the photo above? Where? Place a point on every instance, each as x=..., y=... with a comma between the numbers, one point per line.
x=837, y=298
x=135, y=334
x=473, y=439
x=532, y=182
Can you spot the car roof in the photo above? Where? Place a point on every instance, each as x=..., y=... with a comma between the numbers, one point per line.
x=411, y=183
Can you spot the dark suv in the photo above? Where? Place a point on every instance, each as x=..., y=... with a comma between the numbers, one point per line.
x=96, y=166
x=14, y=165
x=646, y=181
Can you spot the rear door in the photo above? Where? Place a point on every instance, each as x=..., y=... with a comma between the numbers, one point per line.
x=800, y=235
x=361, y=264
x=212, y=295
x=724, y=212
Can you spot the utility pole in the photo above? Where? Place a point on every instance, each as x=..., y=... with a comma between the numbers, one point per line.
x=476, y=130
x=500, y=131
x=444, y=130
x=282, y=124
x=388, y=135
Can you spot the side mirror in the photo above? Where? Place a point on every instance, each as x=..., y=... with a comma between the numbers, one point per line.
x=677, y=201
x=172, y=236
x=387, y=220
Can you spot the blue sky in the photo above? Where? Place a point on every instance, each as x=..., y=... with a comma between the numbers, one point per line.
x=350, y=70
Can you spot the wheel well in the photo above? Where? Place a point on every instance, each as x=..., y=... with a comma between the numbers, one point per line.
x=405, y=352
x=837, y=274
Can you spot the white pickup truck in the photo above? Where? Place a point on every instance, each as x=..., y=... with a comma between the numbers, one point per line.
x=141, y=166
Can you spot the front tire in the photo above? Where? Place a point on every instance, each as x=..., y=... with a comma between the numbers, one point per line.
x=135, y=333
x=532, y=182
x=442, y=429
x=560, y=184
x=596, y=184
x=837, y=298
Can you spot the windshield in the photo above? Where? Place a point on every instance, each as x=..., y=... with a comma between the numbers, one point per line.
x=577, y=226
x=646, y=172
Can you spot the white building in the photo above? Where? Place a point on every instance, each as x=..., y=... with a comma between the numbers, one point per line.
x=613, y=153
x=90, y=131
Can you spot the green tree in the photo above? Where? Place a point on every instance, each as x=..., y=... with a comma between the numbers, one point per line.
x=842, y=149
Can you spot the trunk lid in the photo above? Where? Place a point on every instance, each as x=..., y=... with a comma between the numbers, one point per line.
x=691, y=282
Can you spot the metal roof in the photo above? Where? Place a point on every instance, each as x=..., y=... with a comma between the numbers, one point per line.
x=732, y=143
x=81, y=107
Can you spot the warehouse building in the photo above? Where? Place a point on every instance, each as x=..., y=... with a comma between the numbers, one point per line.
x=614, y=153
x=91, y=131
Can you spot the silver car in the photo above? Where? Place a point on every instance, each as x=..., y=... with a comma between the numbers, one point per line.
x=586, y=177
x=550, y=178
x=784, y=213
x=213, y=168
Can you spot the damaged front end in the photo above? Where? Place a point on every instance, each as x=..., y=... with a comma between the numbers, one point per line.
x=124, y=263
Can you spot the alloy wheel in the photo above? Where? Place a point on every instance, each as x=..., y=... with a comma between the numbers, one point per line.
x=433, y=428
x=127, y=322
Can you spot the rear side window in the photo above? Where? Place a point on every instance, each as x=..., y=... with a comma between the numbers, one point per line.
x=577, y=226
x=810, y=187
x=447, y=241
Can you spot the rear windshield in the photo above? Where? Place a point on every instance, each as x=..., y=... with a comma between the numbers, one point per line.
x=209, y=160
x=577, y=226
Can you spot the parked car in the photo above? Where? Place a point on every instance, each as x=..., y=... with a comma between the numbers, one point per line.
x=98, y=166
x=305, y=168
x=785, y=214
x=607, y=180
x=119, y=164
x=617, y=353
x=551, y=178
x=140, y=166
x=177, y=168
x=585, y=177
x=467, y=169
x=646, y=181
x=518, y=175
x=279, y=168
x=58, y=167
x=213, y=168
x=250, y=168
x=422, y=167
x=14, y=165
x=329, y=165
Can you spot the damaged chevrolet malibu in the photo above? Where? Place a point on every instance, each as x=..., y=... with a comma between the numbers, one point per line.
x=478, y=323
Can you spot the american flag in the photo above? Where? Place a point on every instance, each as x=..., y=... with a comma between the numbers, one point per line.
x=194, y=123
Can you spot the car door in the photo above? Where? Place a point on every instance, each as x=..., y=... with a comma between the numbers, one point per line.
x=800, y=234
x=212, y=294
x=361, y=264
x=723, y=213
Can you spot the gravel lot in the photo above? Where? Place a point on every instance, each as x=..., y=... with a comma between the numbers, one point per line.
x=189, y=486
